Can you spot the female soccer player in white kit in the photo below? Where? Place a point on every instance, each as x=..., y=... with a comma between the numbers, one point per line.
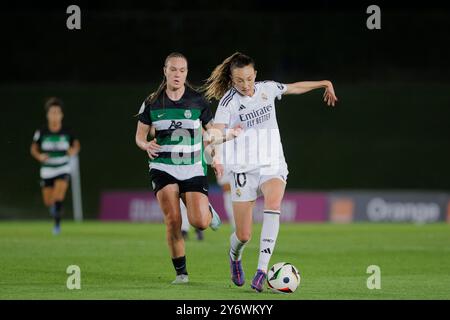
x=257, y=161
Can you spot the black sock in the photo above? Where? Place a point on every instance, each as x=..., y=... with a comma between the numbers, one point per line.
x=51, y=209
x=180, y=265
x=58, y=211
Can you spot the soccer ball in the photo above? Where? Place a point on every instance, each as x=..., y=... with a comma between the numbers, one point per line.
x=283, y=277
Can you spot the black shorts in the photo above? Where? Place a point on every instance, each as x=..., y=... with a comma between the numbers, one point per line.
x=159, y=179
x=51, y=182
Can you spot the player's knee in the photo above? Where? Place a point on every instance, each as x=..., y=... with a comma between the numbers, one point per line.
x=172, y=224
x=203, y=225
x=200, y=223
x=199, y=219
x=48, y=203
x=274, y=205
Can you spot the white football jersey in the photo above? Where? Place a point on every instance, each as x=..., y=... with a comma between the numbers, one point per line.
x=259, y=145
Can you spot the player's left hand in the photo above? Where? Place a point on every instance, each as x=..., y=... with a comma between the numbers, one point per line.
x=329, y=96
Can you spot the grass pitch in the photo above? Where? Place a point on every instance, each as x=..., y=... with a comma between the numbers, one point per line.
x=131, y=261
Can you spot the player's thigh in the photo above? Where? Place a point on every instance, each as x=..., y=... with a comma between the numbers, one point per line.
x=273, y=191
x=60, y=189
x=169, y=202
x=195, y=194
x=47, y=195
x=243, y=218
x=197, y=205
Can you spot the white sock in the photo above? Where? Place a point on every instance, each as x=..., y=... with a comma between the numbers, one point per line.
x=228, y=204
x=184, y=218
x=269, y=233
x=236, y=247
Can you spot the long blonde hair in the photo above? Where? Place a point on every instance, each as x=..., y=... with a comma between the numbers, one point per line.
x=219, y=81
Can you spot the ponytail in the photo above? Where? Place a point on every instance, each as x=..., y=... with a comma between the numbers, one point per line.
x=219, y=81
x=155, y=94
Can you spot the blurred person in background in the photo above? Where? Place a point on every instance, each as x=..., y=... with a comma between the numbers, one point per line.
x=52, y=146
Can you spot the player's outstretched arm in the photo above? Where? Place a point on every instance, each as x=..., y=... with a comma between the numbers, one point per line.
x=304, y=86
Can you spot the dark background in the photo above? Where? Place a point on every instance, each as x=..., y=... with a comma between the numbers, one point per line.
x=390, y=129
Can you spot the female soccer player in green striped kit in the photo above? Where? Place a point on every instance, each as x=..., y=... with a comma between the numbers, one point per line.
x=52, y=146
x=178, y=113
x=251, y=105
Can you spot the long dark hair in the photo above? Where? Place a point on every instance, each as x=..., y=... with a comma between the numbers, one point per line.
x=219, y=81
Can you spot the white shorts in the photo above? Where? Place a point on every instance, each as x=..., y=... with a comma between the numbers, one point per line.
x=246, y=186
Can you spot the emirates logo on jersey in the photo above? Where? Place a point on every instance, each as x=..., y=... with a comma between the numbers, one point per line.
x=256, y=113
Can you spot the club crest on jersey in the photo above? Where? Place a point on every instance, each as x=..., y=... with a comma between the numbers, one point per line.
x=264, y=96
x=238, y=192
x=188, y=114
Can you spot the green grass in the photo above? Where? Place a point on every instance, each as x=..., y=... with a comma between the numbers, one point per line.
x=131, y=261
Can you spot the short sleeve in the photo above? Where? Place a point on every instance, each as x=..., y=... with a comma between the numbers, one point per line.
x=37, y=136
x=206, y=115
x=223, y=115
x=144, y=114
x=223, y=112
x=276, y=88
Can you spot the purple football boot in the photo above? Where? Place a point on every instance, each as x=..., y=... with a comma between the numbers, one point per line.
x=258, y=280
x=237, y=273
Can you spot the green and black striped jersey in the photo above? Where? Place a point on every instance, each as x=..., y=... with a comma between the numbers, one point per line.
x=56, y=145
x=178, y=126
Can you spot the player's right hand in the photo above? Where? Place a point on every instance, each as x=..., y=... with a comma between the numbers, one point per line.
x=152, y=149
x=329, y=97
